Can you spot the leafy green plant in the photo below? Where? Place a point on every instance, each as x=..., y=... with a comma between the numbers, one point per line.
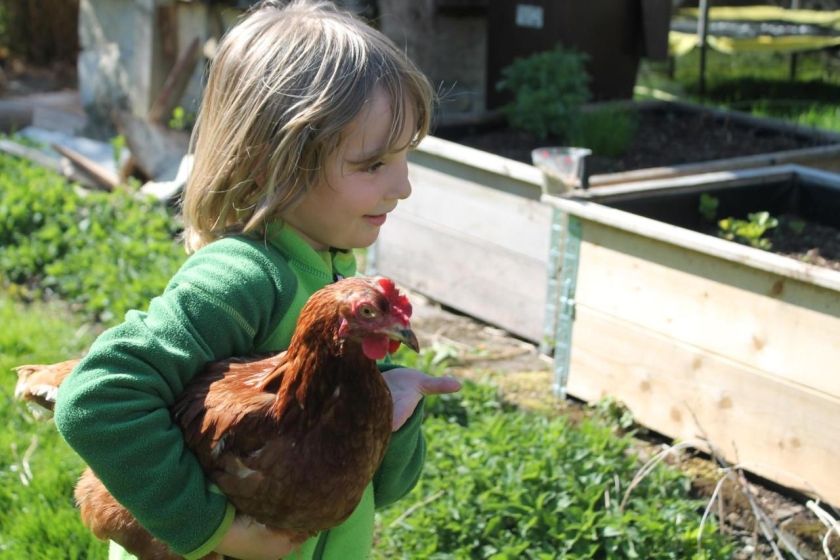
x=708, y=207
x=38, y=518
x=501, y=483
x=749, y=231
x=104, y=252
x=548, y=90
x=608, y=131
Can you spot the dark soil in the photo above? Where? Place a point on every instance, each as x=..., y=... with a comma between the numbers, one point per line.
x=806, y=241
x=663, y=138
x=667, y=137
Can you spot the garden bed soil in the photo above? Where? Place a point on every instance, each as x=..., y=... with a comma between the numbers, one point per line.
x=669, y=136
x=809, y=242
x=664, y=137
x=486, y=354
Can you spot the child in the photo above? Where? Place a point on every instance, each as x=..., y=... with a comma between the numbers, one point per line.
x=300, y=154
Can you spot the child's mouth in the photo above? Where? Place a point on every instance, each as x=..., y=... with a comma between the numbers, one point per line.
x=376, y=220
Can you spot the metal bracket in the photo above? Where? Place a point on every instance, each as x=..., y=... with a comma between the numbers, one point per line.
x=555, y=263
x=566, y=308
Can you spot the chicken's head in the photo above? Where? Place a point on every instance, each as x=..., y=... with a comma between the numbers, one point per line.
x=376, y=314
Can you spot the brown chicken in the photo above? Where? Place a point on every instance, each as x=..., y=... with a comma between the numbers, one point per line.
x=271, y=432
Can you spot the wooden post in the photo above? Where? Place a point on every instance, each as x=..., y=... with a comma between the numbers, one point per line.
x=702, y=31
x=794, y=5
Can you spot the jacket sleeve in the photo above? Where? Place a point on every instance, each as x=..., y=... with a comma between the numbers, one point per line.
x=114, y=408
x=403, y=462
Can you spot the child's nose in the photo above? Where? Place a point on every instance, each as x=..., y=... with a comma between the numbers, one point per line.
x=401, y=186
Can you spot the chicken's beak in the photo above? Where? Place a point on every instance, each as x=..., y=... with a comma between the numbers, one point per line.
x=404, y=335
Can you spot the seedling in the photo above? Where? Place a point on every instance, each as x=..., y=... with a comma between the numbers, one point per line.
x=749, y=231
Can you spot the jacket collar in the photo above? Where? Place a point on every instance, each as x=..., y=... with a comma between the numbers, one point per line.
x=328, y=264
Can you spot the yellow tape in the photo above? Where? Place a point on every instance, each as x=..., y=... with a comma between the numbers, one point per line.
x=681, y=43
x=830, y=18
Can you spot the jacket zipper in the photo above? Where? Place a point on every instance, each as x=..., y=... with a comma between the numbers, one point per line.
x=322, y=544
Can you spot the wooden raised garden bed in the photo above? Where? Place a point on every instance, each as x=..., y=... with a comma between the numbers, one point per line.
x=703, y=337
x=475, y=236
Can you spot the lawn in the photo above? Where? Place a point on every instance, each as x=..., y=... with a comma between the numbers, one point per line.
x=758, y=83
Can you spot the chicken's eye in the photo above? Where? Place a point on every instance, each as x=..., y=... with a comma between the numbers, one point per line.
x=367, y=312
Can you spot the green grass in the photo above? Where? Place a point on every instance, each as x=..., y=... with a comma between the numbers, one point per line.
x=758, y=83
x=37, y=516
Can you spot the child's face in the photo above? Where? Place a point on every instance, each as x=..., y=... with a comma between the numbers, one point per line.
x=347, y=210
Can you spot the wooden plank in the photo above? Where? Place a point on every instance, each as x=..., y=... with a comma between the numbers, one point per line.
x=157, y=150
x=822, y=157
x=466, y=240
x=471, y=208
x=479, y=160
x=60, y=165
x=103, y=177
x=776, y=429
x=17, y=112
x=785, y=327
x=681, y=237
x=499, y=286
x=175, y=84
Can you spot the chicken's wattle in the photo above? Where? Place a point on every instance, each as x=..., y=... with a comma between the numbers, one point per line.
x=377, y=347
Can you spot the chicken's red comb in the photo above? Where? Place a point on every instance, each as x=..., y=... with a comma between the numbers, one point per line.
x=399, y=302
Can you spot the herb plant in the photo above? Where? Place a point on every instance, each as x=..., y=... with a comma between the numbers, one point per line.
x=501, y=483
x=548, y=90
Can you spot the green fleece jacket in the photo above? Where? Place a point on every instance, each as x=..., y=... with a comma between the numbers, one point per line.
x=236, y=296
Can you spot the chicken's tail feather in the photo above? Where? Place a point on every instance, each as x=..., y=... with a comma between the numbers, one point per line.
x=38, y=384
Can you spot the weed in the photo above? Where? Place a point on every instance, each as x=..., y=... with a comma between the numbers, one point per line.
x=608, y=131
x=502, y=483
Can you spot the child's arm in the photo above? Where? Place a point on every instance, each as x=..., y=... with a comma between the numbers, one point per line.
x=113, y=409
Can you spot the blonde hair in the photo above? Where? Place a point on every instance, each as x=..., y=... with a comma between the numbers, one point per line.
x=284, y=84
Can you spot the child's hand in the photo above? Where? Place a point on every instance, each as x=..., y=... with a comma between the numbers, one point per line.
x=409, y=385
x=248, y=540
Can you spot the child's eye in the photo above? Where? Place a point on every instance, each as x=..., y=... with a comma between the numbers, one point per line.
x=375, y=166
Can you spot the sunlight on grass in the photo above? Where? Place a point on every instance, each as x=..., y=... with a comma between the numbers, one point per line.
x=756, y=83
x=37, y=469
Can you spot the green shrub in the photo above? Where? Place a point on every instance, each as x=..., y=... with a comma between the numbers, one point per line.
x=104, y=252
x=607, y=131
x=548, y=90
x=502, y=483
